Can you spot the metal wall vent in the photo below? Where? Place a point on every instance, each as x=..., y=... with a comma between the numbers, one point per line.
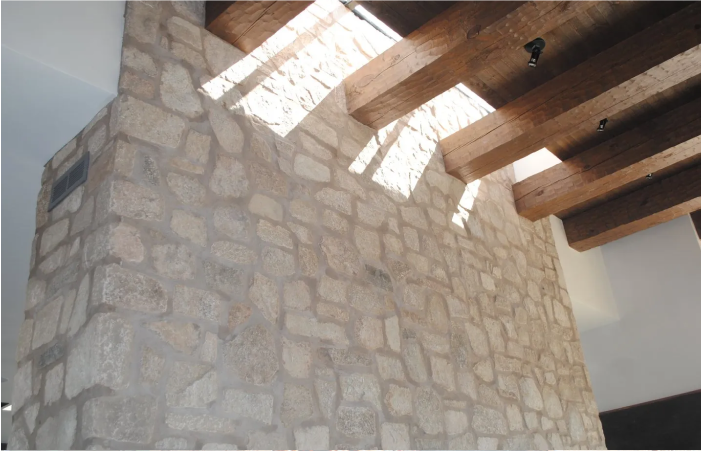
x=68, y=182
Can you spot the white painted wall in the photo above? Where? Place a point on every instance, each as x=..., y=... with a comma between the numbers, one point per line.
x=60, y=66
x=653, y=351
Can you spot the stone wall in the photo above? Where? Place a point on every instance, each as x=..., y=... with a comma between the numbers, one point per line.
x=248, y=267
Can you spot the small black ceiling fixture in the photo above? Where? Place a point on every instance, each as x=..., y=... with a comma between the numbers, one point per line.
x=602, y=125
x=649, y=176
x=535, y=48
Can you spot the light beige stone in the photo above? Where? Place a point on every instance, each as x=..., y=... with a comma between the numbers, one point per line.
x=183, y=337
x=189, y=226
x=147, y=122
x=53, y=385
x=310, y=327
x=184, y=31
x=120, y=287
x=395, y=436
x=355, y=421
x=296, y=358
x=58, y=432
x=46, y=322
x=488, y=421
x=310, y=169
x=177, y=92
x=251, y=356
x=265, y=206
x=122, y=419
x=196, y=303
x=428, y=410
x=265, y=296
x=174, y=261
x=186, y=188
x=296, y=295
x=274, y=234
x=52, y=236
x=191, y=385
x=338, y=200
x=313, y=437
x=277, y=262
x=101, y=355
x=398, y=401
x=297, y=404
x=227, y=130
x=229, y=178
x=232, y=221
x=256, y=406
x=369, y=333
x=233, y=252
x=135, y=201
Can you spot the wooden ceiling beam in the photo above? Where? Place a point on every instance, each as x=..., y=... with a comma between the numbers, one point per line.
x=667, y=140
x=654, y=204
x=247, y=24
x=463, y=40
x=661, y=56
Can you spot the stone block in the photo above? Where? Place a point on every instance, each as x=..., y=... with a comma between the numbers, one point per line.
x=310, y=327
x=277, y=262
x=274, y=234
x=222, y=278
x=144, y=121
x=201, y=423
x=227, y=130
x=297, y=404
x=368, y=332
x=266, y=207
x=296, y=358
x=53, y=385
x=124, y=288
x=58, y=432
x=52, y=236
x=118, y=418
x=233, y=252
x=197, y=303
x=313, y=437
x=310, y=169
x=395, y=436
x=101, y=355
x=136, y=201
x=251, y=356
x=46, y=322
x=184, y=31
x=229, y=178
x=232, y=221
x=429, y=414
x=355, y=422
x=187, y=189
x=243, y=403
x=183, y=337
x=189, y=226
x=488, y=421
x=22, y=385
x=191, y=385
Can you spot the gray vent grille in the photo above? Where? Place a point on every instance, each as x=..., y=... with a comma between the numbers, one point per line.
x=72, y=179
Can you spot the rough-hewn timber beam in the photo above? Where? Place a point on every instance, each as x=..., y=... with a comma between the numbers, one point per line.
x=655, y=59
x=247, y=24
x=463, y=40
x=664, y=141
x=654, y=204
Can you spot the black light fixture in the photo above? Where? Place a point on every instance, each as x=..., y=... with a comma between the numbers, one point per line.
x=602, y=125
x=535, y=48
x=649, y=176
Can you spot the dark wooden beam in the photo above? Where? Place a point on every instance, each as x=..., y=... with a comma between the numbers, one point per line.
x=656, y=203
x=696, y=219
x=463, y=40
x=661, y=56
x=668, y=140
x=247, y=24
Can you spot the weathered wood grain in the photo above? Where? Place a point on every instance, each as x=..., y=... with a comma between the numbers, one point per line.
x=661, y=56
x=247, y=24
x=659, y=202
x=662, y=142
x=463, y=40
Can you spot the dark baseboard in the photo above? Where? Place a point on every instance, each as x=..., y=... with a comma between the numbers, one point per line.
x=669, y=423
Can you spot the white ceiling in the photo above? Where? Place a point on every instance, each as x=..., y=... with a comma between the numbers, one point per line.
x=60, y=66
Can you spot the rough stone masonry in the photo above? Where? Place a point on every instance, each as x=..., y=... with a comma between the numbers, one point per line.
x=248, y=267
